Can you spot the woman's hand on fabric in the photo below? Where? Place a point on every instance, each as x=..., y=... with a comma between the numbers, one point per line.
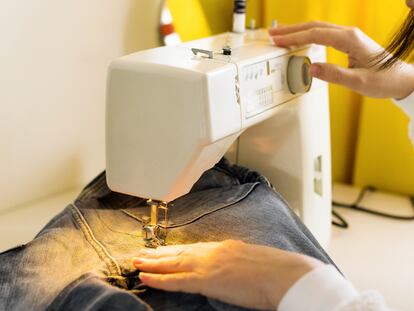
x=234, y=272
x=362, y=74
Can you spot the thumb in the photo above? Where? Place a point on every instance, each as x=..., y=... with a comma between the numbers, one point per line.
x=350, y=78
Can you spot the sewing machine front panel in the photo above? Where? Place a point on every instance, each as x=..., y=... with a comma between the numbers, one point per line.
x=264, y=83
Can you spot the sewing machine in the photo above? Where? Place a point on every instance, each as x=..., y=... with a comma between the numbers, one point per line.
x=173, y=112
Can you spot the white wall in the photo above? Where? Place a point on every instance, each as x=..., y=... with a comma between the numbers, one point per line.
x=53, y=60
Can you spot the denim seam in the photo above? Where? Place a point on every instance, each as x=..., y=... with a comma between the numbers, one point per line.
x=215, y=210
x=102, y=252
x=231, y=174
x=109, y=227
x=188, y=222
x=131, y=215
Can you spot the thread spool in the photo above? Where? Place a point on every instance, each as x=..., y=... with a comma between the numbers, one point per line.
x=239, y=17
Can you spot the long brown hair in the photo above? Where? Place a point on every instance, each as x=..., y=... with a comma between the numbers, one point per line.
x=401, y=46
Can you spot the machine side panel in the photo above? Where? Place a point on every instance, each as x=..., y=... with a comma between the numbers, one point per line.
x=224, y=110
x=292, y=149
x=155, y=114
x=315, y=133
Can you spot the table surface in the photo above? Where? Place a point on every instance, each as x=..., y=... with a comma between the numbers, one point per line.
x=374, y=253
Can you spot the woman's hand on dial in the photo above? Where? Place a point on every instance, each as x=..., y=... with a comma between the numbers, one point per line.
x=361, y=75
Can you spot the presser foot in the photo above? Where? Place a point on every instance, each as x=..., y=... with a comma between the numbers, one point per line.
x=153, y=236
x=154, y=243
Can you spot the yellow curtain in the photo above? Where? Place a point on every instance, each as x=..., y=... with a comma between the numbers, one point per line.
x=369, y=137
x=196, y=19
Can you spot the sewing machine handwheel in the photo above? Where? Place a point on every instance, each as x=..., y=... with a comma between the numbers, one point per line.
x=298, y=74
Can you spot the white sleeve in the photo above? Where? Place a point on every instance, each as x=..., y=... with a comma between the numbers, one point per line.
x=325, y=289
x=407, y=105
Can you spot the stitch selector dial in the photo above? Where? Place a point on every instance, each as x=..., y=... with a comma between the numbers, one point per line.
x=298, y=74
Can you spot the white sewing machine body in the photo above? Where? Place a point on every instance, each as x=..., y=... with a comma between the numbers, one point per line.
x=171, y=115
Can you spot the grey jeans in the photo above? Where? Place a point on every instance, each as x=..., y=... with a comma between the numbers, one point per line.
x=81, y=260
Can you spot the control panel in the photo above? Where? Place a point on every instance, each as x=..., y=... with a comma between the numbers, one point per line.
x=272, y=82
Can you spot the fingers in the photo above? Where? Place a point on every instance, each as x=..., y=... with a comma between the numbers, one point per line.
x=177, y=282
x=283, y=30
x=175, y=250
x=170, y=259
x=163, y=251
x=351, y=78
x=162, y=265
x=337, y=38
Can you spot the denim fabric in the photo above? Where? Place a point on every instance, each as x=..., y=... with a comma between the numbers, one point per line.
x=81, y=260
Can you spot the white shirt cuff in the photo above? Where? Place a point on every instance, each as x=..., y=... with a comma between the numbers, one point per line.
x=322, y=289
x=407, y=105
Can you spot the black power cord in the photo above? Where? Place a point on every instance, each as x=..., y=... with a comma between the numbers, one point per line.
x=356, y=207
x=340, y=222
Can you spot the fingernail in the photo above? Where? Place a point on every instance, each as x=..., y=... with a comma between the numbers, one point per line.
x=315, y=70
x=137, y=261
x=142, y=276
x=279, y=40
